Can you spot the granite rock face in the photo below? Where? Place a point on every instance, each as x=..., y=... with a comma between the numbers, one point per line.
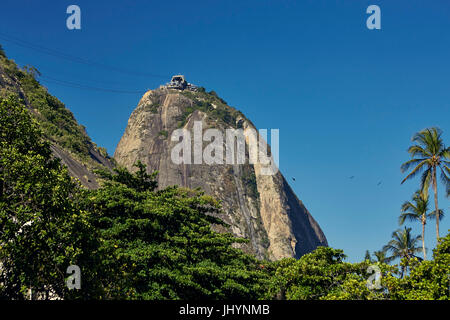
x=260, y=207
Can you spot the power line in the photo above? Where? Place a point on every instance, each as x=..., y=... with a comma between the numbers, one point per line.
x=62, y=55
x=85, y=87
x=76, y=77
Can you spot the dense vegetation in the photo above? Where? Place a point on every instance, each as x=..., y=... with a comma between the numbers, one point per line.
x=42, y=229
x=133, y=241
x=57, y=123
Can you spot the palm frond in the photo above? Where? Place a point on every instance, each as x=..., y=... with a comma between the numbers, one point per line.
x=416, y=150
x=403, y=244
x=408, y=216
x=432, y=215
x=415, y=171
x=445, y=154
x=405, y=166
x=425, y=181
x=445, y=176
x=408, y=205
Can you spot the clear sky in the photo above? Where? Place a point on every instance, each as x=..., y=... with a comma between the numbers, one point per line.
x=346, y=99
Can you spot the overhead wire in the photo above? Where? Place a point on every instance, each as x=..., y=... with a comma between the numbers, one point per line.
x=72, y=58
x=85, y=87
x=70, y=84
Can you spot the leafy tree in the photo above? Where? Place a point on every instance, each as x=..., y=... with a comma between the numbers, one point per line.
x=402, y=245
x=427, y=280
x=321, y=274
x=158, y=244
x=417, y=210
x=429, y=153
x=41, y=230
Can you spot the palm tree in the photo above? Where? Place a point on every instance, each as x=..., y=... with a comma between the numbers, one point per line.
x=367, y=257
x=381, y=256
x=429, y=153
x=417, y=210
x=402, y=245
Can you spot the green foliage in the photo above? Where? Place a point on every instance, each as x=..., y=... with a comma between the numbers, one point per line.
x=429, y=155
x=367, y=256
x=200, y=105
x=2, y=52
x=159, y=244
x=103, y=152
x=321, y=274
x=380, y=256
x=249, y=180
x=153, y=108
x=214, y=94
x=324, y=275
x=57, y=123
x=403, y=245
x=225, y=115
x=42, y=231
x=417, y=209
x=427, y=280
x=163, y=133
x=204, y=102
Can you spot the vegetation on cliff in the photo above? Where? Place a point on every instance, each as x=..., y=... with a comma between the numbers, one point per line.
x=215, y=107
x=57, y=123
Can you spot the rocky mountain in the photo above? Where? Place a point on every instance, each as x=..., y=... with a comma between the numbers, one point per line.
x=69, y=140
x=262, y=208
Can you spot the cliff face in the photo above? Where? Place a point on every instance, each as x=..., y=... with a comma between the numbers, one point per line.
x=68, y=139
x=260, y=207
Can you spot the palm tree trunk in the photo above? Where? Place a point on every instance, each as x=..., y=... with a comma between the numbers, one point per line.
x=436, y=203
x=423, y=241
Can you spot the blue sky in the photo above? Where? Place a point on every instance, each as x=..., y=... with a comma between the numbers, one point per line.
x=346, y=99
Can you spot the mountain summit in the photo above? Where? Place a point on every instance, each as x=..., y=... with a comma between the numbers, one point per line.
x=262, y=208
